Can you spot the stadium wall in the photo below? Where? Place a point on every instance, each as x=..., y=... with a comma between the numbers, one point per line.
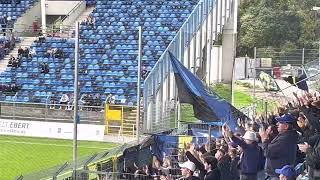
x=215, y=67
x=23, y=25
x=228, y=50
x=60, y=7
x=51, y=130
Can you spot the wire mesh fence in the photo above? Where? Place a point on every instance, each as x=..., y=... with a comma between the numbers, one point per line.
x=312, y=70
x=295, y=57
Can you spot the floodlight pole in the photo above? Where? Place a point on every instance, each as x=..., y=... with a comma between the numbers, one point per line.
x=43, y=17
x=75, y=111
x=254, y=79
x=139, y=85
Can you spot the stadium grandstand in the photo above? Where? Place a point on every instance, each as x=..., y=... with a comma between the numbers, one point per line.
x=100, y=72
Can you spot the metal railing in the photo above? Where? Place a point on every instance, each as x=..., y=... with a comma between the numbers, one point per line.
x=72, y=10
x=105, y=161
x=90, y=175
x=160, y=94
x=124, y=123
x=294, y=57
x=50, y=112
x=312, y=70
x=292, y=62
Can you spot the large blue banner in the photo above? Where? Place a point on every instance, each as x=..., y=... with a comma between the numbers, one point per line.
x=207, y=106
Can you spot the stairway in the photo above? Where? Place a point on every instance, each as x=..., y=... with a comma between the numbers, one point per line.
x=71, y=29
x=127, y=124
x=26, y=42
x=84, y=15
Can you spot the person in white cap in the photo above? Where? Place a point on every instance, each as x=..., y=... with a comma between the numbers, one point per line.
x=187, y=169
x=252, y=158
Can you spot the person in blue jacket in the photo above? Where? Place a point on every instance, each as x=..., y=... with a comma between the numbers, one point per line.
x=251, y=158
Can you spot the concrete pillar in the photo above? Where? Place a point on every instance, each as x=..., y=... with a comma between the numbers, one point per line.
x=43, y=16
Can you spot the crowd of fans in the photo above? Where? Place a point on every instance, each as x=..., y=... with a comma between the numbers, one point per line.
x=265, y=148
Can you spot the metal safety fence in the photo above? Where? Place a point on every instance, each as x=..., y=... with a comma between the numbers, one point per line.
x=161, y=106
x=50, y=112
x=91, y=175
x=104, y=161
x=281, y=57
x=280, y=63
x=312, y=70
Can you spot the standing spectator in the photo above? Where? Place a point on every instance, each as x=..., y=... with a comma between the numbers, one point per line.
x=211, y=166
x=187, y=169
x=234, y=171
x=286, y=173
x=251, y=158
x=223, y=164
x=276, y=150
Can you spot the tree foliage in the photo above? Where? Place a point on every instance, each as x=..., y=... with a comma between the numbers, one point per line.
x=277, y=23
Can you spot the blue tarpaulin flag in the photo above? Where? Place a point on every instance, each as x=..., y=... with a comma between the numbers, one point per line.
x=207, y=106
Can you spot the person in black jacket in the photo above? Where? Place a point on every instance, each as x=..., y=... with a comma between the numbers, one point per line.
x=192, y=156
x=211, y=166
x=234, y=164
x=282, y=149
x=312, y=150
x=223, y=164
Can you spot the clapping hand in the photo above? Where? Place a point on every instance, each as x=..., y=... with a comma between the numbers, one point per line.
x=263, y=134
x=227, y=130
x=304, y=147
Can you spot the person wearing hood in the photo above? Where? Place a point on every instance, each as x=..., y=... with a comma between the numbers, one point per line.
x=282, y=149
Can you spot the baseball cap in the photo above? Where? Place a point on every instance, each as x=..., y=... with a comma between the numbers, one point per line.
x=287, y=171
x=189, y=165
x=286, y=118
x=250, y=135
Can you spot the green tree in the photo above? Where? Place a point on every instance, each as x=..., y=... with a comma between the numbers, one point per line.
x=284, y=24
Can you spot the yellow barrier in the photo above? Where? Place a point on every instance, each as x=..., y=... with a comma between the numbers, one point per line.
x=119, y=118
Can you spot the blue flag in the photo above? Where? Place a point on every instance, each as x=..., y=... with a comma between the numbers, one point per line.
x=207, y=106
